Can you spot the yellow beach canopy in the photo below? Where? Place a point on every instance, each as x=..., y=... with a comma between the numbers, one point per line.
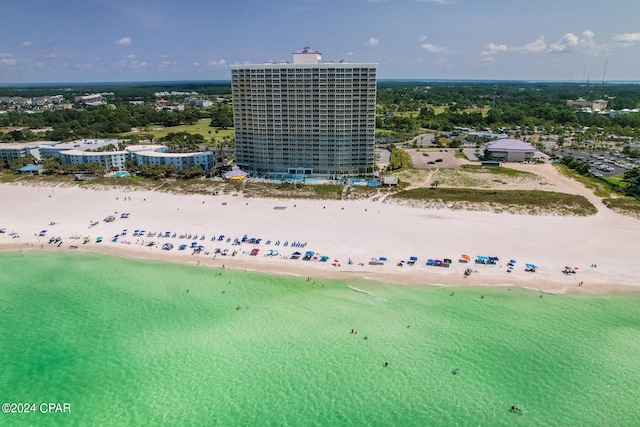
x=235, y=173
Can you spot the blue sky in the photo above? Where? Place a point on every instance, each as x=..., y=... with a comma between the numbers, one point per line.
x=140, y=40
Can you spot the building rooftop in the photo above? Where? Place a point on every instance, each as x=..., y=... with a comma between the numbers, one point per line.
x=85, y=144
x=307, y=50
x=510, y=145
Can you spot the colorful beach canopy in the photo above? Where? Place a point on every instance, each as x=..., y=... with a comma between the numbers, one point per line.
x=235, y=173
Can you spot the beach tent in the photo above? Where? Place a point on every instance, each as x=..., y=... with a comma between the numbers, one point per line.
x=167, y=247
x=235, y=173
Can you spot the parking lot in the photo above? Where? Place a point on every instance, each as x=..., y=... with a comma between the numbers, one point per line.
x=433, y=158
x=603, y=164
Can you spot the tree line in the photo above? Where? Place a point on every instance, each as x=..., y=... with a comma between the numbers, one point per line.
x=407, y=107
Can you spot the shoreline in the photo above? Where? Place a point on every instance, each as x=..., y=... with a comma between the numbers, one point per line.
x=417, y=277
x=340, y=230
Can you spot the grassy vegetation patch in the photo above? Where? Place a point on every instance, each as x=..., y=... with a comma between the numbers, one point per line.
x=400, y=160
x=600, y=188
x=201, y=127
x=293, y=190
x=624, y=205
x=496, y=170
x=516, y=201
x=472, y=176
x=616, y=180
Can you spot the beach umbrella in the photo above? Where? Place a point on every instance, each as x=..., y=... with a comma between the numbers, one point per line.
x=512, y=261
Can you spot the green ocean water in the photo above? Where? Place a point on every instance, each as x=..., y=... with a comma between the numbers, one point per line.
x=136, y=343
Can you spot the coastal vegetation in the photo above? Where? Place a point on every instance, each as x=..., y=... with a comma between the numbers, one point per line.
x=516, y=201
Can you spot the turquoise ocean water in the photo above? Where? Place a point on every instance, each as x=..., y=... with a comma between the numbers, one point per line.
x=145, y=343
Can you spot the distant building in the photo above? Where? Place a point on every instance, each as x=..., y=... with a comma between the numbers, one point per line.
x=599, y=104
x=179, y=160
x=79, y=145
x=19, y=150
x=305, y=118
x=107, y=159
x=474, y=136
x=509, y=150
x=95, y=98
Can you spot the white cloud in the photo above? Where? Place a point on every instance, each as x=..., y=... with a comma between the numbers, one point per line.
x=432, y=48
x=125, y=41
x=349, y=54
x=196, y=64
x=130, y=56
x=568, y=41
x=627, y=37
x=8, y=61
x=216, y=63
x=372, y=42
x=536, y=46
x=422, y=38
x=27, y=43
x=50, y=55
x=493, y=48
x=571, y=42
x=164, y=56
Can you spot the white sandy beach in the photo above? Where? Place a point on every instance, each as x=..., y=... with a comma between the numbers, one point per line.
x=341, y=230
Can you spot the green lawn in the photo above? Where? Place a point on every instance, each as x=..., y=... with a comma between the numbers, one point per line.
x=616, y=180
x=201, y=127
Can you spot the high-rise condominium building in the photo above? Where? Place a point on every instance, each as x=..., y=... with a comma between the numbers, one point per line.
x=309, y=117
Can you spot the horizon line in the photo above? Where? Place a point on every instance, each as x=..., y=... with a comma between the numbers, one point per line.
x=435, y=80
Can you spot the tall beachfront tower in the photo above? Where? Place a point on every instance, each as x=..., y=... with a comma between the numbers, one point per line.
x=309, y=117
